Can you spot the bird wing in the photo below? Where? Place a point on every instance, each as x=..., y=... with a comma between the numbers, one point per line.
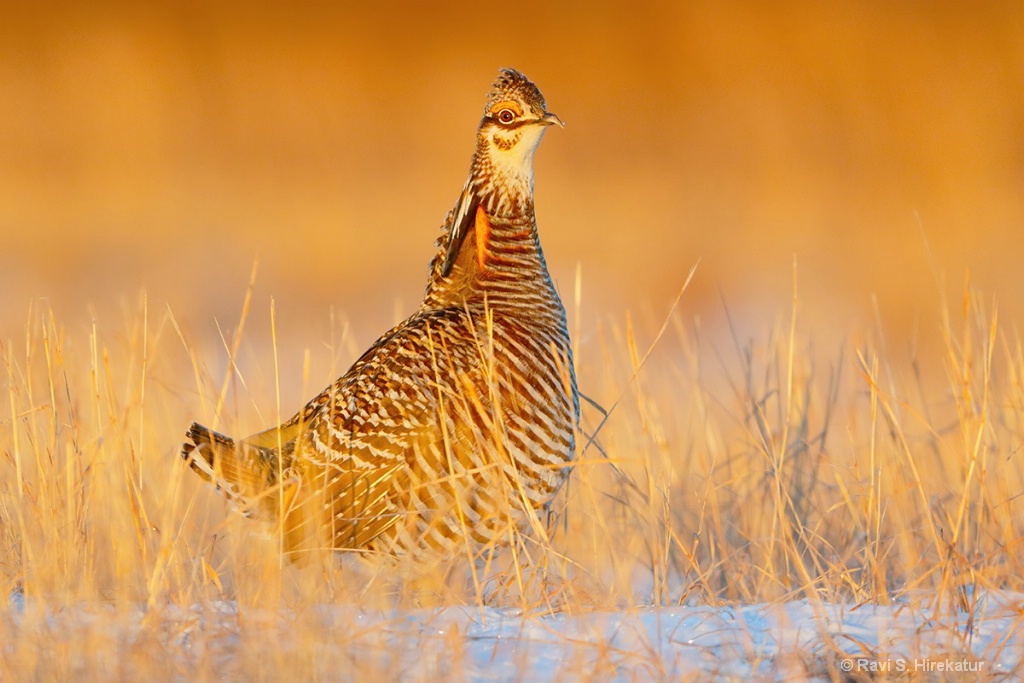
x=358, y=439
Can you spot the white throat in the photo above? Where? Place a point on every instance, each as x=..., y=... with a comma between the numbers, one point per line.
x=510, y=153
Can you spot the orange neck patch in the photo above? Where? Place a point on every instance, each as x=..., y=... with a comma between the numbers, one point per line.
x=482, y=230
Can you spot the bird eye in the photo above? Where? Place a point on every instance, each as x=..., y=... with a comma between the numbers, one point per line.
x=506, y=116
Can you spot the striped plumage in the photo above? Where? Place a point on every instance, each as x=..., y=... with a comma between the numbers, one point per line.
x=458, y=424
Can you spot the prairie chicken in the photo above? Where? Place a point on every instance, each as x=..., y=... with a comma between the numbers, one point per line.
x=455, y=427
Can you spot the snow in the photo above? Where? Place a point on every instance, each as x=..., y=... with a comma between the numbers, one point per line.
x=797, y=640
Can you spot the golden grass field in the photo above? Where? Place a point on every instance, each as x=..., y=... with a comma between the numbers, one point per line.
x=208, y=212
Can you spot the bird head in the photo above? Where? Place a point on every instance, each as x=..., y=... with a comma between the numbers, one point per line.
x=514, y=121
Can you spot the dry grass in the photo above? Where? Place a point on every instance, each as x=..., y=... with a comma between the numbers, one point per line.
x=728, y=469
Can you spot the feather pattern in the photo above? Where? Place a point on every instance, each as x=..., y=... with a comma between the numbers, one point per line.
x=458, y=425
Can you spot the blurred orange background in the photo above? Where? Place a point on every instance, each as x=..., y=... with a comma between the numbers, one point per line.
x=164, y=146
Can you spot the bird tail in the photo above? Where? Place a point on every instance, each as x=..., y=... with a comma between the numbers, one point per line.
x=246, y=472
x=243, y=474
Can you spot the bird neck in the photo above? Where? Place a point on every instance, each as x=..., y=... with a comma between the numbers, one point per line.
x=500, y=260
x=503, y=179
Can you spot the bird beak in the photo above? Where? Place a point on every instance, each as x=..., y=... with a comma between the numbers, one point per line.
x=551, y=119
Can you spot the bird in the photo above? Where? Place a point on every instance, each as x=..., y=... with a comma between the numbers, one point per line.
x=455, y=430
